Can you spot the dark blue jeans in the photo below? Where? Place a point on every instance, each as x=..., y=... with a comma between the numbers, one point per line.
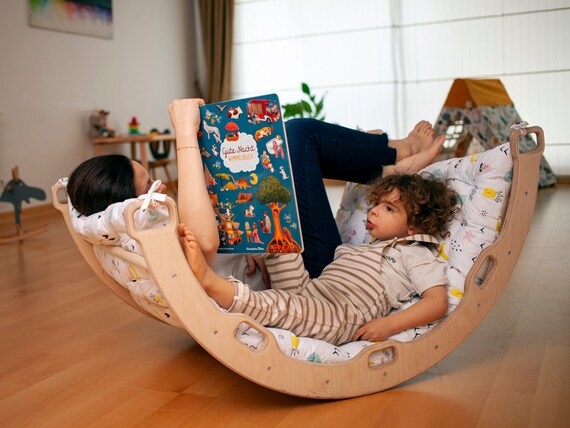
x=323, y=150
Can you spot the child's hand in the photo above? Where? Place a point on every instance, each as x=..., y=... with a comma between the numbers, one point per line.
x=374, y=331
x=431, y=307
x=185, y=116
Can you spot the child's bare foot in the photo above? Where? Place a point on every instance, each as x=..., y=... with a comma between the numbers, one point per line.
x=218, y=288
x=418, y=140
x=414, y=163
x=193, y=253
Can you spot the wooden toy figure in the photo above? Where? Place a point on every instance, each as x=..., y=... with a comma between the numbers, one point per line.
x=15, y=192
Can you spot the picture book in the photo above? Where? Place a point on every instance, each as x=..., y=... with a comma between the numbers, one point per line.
x=249, y=177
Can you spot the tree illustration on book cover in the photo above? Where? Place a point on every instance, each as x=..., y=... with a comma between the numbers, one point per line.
x=276, y=196
x=248, y=175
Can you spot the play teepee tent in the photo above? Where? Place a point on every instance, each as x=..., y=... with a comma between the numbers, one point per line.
x=481, y=111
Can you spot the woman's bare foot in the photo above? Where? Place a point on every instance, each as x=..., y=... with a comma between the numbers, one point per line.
x=418, y=161
x=418, y=140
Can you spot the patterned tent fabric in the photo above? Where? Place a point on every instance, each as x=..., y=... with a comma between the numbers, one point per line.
x=486, y=118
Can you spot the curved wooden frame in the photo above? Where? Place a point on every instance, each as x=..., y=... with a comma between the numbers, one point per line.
x=268, y=366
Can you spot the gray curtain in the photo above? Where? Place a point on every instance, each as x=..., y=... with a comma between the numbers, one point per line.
x=216, y=24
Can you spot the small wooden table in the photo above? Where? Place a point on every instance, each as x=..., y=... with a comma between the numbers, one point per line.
x=133, y=139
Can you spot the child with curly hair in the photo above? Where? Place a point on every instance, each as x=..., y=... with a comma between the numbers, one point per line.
x=352, y=297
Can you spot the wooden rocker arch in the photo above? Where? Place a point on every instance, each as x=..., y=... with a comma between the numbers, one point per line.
x=268, y=366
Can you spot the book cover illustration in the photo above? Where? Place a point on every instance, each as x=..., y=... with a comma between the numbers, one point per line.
x=248, y=176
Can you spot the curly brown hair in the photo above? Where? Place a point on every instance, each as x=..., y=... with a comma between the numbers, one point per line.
x=429, y=203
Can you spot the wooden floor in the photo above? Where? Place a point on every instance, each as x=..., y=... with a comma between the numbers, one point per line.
x=73, y=355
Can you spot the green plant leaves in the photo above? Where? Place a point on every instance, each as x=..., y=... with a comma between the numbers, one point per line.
x=311, y=107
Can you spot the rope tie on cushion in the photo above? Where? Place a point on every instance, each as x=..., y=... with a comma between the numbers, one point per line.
x=151, y=195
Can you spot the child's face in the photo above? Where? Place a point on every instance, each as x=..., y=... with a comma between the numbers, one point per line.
x=389, y=219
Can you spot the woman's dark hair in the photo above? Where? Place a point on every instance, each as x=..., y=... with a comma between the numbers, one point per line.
x=430, y=204
x=101, y=181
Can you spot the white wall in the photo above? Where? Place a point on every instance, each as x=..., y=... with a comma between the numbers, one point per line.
x=50, y=82
x=389, y=63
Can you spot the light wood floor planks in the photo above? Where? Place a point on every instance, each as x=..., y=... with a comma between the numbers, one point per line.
x=73, y=355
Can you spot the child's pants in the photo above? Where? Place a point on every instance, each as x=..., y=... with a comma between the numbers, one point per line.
x=328, y=308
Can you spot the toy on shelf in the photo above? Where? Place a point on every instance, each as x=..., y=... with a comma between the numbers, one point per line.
x=134, y=126
x=99, y=128
x=15, y=192
x=160, y=149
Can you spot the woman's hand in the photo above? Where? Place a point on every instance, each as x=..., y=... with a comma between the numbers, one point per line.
x=185, y=116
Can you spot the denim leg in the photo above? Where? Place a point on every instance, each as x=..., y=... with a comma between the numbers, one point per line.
x=322, y=150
